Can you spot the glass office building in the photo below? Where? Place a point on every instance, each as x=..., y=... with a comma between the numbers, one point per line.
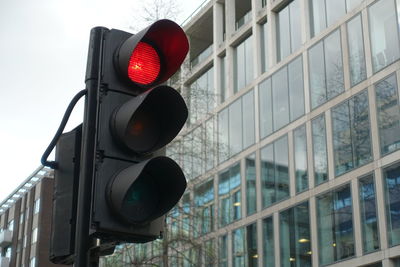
x=292, y=148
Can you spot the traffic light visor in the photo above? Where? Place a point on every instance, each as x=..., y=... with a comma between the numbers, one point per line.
x=148, y=122
x=146, y=191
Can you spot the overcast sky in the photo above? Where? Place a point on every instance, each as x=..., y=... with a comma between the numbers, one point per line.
x=43, y=51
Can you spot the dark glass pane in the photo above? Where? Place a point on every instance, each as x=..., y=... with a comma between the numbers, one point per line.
x=319, y=150
x=251, y=192
x=392, y=189
x=265, y=96
x=387, y=102
x=369, y=219
x=296, y=89
x=295, y=237
x=317, y=75
x=268, y=242
x=300, y=158
x=280, y=96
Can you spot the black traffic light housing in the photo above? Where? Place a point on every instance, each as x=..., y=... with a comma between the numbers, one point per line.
x=134, y=185
x=113, y=180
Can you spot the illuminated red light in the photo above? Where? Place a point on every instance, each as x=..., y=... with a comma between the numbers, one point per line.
x=144, y=64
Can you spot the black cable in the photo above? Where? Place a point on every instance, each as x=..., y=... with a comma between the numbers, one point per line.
x=53, y=164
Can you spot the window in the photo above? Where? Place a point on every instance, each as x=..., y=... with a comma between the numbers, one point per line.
x=204, y=201
x=223, y=251
x=34, y=236
x=351, y=133
x=280, y=93
x=275, y=172
x=236, y=127
x=358, y=71
x=384, y=34
x=388, y=109
x=326, y=69
x=202, y=96
x=186, y=215
x=265, y=98
x=244, y=246
x=209, y=254
x=264, y=47
x=268, y=242
x=391, y=176
x=32, y=262
x=295, y=238
x=319, y=150
x=288, y=28
x=251, y=191
x=369, y=219
x=229, y=192
x=210, y=144
x=300, y=158
x=10, y=225
x=281, y=97
x=8, y=252
x=36, y=207
x=224, y=88
x=248, y=119
x=243, y=64
x=193, y=153
x=335, y=226
x=325, y=13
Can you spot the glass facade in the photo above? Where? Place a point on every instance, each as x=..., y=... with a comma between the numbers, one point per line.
x=243, y=64
x=326, y=69
x=244, y=246
x=387, y=102
x=335, y=226
x=275, y=172
x=391, y=176
x=297, y=163
x=229, y=192
x=300, y=158
x=295, y=238
x=358, y=71
x=319, y=150
x=325, y=13
x=236, y=127
x=369, y=215
x=281, y=98
x=288, y=28
x=268, y=242
x=202, y=96
x=204, y=203
x=384, y=33
x=351, y=133
x=251, y=190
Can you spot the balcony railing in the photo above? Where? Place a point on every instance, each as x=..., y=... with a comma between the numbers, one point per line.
x=202, y=56
x=5, y=238
x=243, y=20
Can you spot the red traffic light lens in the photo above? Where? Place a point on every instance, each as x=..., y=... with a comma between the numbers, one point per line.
x=144, y=64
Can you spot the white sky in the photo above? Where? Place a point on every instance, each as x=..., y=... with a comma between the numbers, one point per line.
x=43, y=51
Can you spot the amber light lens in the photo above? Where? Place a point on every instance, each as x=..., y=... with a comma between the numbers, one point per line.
x=144, y=64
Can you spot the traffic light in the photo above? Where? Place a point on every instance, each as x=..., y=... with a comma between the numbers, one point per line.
x=133, y=118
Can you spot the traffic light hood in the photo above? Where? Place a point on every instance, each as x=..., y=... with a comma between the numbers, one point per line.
x=167, y=38
x=146, y=191
x=149, y=121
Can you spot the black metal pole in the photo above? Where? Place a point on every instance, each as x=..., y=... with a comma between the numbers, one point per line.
x=88, y=154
